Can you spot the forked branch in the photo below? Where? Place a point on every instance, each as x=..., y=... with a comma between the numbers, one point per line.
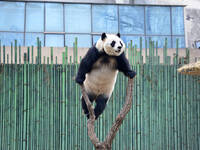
x=106, y=145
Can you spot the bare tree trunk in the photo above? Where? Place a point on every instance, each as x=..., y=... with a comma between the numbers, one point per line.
x=106, y=145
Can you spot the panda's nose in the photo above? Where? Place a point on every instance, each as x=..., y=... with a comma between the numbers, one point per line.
x=119, y=47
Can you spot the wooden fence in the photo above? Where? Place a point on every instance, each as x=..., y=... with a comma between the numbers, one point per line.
x=40, y=105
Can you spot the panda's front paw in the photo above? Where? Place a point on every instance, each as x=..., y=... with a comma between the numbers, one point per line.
x=131, y=74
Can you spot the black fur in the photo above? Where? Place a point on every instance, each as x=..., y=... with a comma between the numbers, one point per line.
x=84, y=106
x=85, y=67
x=123, y=66
x=86, y=64
x=118, y=34
x=103, y=36
x=113, y=43
x=93, y=55
x=100, y=100
x=105, y=60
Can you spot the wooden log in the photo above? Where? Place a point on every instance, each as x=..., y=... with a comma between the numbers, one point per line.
x=107, y=144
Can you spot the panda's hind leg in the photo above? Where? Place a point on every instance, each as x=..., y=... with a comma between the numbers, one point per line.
x=101, y=101
x=84, y=106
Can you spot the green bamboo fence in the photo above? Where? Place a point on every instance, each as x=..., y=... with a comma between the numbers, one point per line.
x=40, y=105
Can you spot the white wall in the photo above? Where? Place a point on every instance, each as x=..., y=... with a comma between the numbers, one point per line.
x=192, y=22
x=192, y=3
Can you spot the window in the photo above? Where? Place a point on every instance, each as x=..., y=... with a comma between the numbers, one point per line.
x=54, y=17
x=54, y=40
x=35, y=17
x=177, y=21
x=95, y=38
x=12, y=16
x=131, y=19
x=83, y=40
x=7, y=37
x=135, y=40
x=31, y=39
x=105, y=18
x=178, y=27
x=157, y=20
x=57, y=24
x=77, y=18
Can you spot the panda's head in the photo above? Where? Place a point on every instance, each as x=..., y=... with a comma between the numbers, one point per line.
x=111, y=44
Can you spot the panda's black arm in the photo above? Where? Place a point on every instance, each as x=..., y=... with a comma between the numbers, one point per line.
x=124, y=66
x=86, y=64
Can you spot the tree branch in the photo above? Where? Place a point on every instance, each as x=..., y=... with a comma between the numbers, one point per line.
x=106, y=145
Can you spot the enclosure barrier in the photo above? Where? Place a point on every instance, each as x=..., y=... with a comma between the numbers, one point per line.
x=40, y=105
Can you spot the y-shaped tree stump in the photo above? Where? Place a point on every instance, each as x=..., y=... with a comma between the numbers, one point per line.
x=106, y=145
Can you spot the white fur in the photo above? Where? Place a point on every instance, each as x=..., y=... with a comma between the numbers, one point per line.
x=106, y=45
x=99, y=82
x=102, y=78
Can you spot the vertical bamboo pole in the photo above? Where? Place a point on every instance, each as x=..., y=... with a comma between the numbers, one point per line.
x=146, y=51
x=3, y=103
x=157, y=57
x=66, y=98
x=29, y=104
x=76, y=92
x=11, y=61
x=0, y=52
x=51, y=102
x=198, y=110
x=15, y=98
x=138, y=105
x=20, y=102
x=7, y=103
x=20, y=54
x=32, y=57
x=70, y=104
x=54, y=105
x=25, y=101
x=63, y=103
x=4, y=55
x=11, y=102
x=141, y=57
x=48, y=84
x=178, y=111
x=177, y=51
x=33, y=102
x=150, y=82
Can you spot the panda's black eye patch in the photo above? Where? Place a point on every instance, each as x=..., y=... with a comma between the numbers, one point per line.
x=113, y=43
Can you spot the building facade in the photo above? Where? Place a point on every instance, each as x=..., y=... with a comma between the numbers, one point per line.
x=58, y=22
x=192, y=24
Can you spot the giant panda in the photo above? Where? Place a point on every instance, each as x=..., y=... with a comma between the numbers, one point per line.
x=99, y=68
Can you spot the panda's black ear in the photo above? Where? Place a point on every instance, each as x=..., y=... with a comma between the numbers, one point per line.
x=118, y=34
x=103, y=36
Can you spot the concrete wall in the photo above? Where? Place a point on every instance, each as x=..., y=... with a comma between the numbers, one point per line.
x=192, y=26
x=57, y=52
x=192, y=23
